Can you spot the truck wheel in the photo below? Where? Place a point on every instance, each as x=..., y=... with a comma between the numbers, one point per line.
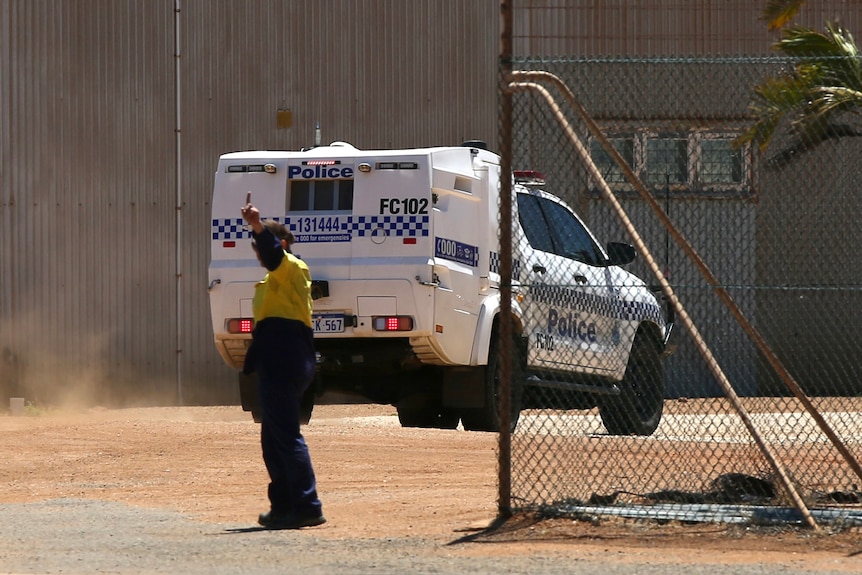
x=637, y=410
x=250, y=400
x=421, y=404
x=487, y=418
x=427, y=418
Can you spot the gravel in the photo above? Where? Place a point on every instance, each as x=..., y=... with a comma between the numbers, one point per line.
x=79, y=536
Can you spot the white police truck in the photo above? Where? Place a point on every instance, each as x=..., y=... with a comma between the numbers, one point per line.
x=403, y=249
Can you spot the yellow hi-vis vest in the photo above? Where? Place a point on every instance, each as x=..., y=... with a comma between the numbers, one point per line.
x=284, y=292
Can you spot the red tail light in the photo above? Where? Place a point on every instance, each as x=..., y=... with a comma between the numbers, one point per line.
x=239, y=325
x=392, y=323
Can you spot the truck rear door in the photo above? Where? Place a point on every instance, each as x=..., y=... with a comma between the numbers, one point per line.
x=362, y=224
x=234, y=269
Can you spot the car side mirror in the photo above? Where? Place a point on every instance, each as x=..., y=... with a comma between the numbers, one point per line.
x=620, y=254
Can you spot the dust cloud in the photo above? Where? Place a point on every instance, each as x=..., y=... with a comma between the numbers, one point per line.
x=73, y=372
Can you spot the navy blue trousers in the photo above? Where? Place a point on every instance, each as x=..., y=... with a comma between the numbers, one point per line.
x=283, y=357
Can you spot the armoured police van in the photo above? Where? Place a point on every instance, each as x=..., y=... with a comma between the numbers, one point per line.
x=403, y=249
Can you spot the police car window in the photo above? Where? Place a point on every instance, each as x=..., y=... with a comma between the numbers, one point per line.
x=570, y=237
x=533, y=223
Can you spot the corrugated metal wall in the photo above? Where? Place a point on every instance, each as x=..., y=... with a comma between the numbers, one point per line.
x=381, y=73
x=97, y=298
x=659, y=27
x=103, y=255
x=87, y=187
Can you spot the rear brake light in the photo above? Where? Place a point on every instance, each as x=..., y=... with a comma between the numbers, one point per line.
x=240, y=325
x=392, y=323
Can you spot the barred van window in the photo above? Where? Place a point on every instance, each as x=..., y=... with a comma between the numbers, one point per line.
x=320, y=196
x=299, y=194
x=345, y=195
x=323, y=195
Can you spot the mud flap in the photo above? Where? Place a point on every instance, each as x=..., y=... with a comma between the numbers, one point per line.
x=248, y=396
x=250, y=400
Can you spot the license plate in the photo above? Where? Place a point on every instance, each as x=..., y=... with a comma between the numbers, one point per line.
x=328, y=323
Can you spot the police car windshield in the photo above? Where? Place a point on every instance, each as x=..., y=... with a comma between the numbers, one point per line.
x=550, y=227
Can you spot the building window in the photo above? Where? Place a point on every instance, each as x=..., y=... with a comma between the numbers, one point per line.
x=609, y=169
x=666, y=160
x=720, y=163
x=696, y=162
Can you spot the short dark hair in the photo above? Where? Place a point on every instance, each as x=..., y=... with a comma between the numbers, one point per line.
x=280, y=231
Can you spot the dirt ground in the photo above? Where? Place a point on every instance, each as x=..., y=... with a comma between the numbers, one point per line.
x=375, y=478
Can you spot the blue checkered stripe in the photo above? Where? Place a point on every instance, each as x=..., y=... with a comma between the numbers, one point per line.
x=230, y=229
x=566, y=297
x=398, y=226
x=360, y=226
x=495, y=264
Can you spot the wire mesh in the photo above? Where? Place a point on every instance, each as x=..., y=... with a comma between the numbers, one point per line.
x=610, y=421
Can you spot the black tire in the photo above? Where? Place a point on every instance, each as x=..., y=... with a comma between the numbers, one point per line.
x=487, y=418
x=638, y=408
x=422, y=402
x=427, y=417
x=250, y=400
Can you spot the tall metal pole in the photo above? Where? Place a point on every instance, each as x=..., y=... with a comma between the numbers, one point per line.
x=178, y=154
x=504, y=498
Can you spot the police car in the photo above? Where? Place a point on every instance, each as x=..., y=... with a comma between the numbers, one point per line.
x=403, y=249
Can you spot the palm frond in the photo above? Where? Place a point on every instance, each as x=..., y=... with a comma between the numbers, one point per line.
x=774, y=99
x=835, y=42
x=825, y=81
x=779, y=12
x=827, y=100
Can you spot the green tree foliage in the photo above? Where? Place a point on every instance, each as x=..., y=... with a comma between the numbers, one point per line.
x=822, y=89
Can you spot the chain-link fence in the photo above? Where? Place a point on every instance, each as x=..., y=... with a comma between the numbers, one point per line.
x=751, y=255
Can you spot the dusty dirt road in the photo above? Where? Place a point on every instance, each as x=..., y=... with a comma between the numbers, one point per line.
x=419, y=490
